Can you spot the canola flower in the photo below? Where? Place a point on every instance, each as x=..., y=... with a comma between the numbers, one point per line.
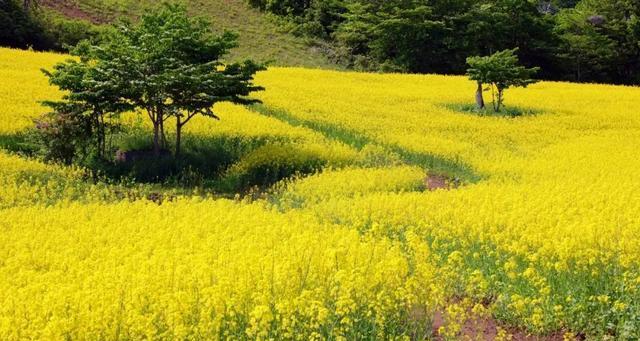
x=349, y=183
x=546, y=240
x=30, y=182
x=199, y=269
x=22, y=86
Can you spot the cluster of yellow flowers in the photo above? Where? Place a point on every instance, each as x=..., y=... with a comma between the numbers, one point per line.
x=555, y=214
x=198, y=269
x=22, y=86
x=545, y=240
x=349, y=183
x=29, y=182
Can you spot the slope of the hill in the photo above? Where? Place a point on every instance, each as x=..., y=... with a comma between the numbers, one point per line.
x=260, y=37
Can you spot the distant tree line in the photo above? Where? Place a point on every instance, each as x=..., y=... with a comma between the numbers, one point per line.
x=587, y=40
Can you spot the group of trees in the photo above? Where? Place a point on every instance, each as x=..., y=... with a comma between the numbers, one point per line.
x=579, y=40
x=166, y=67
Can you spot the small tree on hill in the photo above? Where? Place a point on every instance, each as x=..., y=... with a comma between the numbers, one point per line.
x=172, y=65
x=499, y=71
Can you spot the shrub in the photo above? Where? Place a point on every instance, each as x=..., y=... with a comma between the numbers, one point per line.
x=62, y=135
x=65, y=33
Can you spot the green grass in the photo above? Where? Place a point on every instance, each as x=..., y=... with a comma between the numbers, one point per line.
x=505, y=111
x=261, y=38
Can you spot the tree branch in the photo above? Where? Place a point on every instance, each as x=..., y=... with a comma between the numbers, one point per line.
x=189, y=117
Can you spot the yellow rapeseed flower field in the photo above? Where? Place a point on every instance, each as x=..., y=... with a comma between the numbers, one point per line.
x=539, y=227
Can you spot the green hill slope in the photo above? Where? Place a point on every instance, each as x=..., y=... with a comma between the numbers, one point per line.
x=260, y=38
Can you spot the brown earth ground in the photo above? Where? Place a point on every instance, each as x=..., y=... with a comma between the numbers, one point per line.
x=436, y=181
x=70, y=9
x=487, y=328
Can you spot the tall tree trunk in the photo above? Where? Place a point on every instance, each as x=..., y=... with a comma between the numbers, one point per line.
x=493, y=98
x=163, y=137
x=479, y=98
x=178, y=136
x=156, y=138
x=499, y=102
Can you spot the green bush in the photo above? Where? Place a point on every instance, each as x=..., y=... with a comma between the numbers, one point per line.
x=64, y=33
x=62, y=135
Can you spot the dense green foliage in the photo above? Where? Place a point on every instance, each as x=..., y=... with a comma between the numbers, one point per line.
x=586, y=40
x=32, y=28
x=18, y=28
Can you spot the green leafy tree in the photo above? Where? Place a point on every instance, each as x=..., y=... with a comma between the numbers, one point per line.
x=499, y=71
x=20, y=28
x=585, y=53
x=322, y=18
x=167, y=66
x=495, y=25
x=409, y=37
x=174, y=60
x=400, y=35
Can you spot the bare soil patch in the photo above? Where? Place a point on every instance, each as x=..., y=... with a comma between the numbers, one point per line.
x=71, y=10
x=436, y=181
x=487, y=328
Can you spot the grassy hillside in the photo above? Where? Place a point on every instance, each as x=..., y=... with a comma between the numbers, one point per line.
x=260, y=37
